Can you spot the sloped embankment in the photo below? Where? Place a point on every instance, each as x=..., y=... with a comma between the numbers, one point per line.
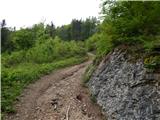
x=124, y=89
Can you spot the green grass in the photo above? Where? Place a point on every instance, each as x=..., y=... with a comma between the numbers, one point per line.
x=152, y=63
x=16, y=78
x=88, y=73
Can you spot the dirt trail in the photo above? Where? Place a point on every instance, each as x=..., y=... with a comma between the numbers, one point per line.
x=58, y=96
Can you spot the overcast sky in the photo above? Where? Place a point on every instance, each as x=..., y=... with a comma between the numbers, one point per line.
x=23, y=13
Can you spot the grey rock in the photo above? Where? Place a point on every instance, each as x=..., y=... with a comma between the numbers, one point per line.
x=124, y=89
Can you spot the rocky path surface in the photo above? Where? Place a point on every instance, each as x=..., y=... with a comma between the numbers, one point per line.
x=58, y=96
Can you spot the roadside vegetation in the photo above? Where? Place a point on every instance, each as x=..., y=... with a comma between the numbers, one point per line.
x=130, y=23
x=133, y=24
x=23, y=67
x=29, y=53
x=16, y=78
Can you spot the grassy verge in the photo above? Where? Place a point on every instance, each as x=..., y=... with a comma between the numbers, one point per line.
x=14, y=79
x=88, y=73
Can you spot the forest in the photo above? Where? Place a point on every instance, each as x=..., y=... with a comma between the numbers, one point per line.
x=29, y=53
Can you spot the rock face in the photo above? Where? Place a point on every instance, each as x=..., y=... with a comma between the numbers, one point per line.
x=125, y=90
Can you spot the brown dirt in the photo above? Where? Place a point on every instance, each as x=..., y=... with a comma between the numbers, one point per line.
x=58, y=96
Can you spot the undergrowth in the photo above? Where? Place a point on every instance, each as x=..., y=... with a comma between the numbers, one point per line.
x=16, y=78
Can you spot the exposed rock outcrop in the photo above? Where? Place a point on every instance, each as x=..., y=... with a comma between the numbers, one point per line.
x=124, y=89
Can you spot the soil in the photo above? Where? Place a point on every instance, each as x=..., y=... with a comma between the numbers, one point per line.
x=57, y=96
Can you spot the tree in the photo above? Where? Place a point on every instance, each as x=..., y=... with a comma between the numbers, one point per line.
x=3, y=24
x=6, y=43
x=64, y=32
x=76, y=29
x=23, y=39
x=51, y=30
x=127, y=21
x=89, y=27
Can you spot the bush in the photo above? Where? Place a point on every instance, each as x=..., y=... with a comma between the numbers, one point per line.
x=50, y=50
x=104, y=45
x=22, y=67
x=152, y=44
x=53, y=50
x=88, y=73
x=15, y=78
x=14, y=58
x=91, y=43
x=131, y=23
x=23, y=39
x=152, y=62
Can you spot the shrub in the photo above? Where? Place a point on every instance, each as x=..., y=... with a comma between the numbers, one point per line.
x=152, y=44
x=131, y=23
x=50, y=50
x=24, y=66
x=13, y=59
x=91, y=43
x=104, y=45
x=152, y=62
x=15, y=78
x=88, y=73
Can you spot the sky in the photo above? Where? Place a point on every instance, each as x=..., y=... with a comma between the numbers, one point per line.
x=25, y=13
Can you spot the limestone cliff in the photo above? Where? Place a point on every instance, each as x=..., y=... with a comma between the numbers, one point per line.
x=124, y=89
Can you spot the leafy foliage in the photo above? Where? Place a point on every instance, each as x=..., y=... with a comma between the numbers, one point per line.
x=6, y=43
x=15, y=78
x=31, y=52
x=22, y=67
x=152, y=62
x=78, y=29
x=91, y=43
x=88, y=73
x=127, y=23
x=36, y=52
x=23, y=39
x=50, y=50
x=130, y=21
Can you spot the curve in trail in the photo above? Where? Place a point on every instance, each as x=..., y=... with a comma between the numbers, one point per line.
x=58, y=96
